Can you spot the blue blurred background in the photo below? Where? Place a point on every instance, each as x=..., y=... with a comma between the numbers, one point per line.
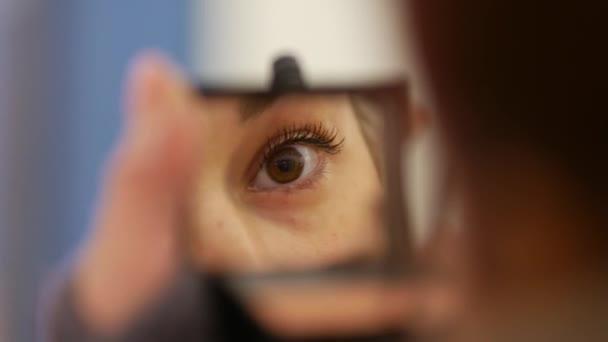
x=61, y=66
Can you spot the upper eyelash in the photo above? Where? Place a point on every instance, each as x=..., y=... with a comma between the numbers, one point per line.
x=313, y=134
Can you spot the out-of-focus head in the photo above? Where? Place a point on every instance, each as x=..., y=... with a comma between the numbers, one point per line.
x=518, y=87
x=522, y=76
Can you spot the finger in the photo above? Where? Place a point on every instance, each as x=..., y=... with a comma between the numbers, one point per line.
x=157, y=138
x=132, y=250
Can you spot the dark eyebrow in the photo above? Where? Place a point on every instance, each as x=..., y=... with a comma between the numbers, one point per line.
x=252, y=106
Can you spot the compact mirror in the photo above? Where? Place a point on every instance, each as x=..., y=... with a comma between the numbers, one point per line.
x=308, y=207
x=299, y=208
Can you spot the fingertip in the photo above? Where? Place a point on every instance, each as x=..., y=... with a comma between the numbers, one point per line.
x=150, y=76
x=159, y=143
x=149, y=63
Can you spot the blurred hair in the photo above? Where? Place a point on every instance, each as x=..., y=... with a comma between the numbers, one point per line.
x=529, y=75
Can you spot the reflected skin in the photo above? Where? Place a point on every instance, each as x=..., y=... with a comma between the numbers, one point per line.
x=246, y=221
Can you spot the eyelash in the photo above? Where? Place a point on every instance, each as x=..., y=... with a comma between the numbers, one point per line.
x=315, y=135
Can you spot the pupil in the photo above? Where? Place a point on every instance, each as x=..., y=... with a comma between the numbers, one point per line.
x=286, y=165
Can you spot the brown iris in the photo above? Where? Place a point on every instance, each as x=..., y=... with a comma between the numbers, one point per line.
x=285, y=165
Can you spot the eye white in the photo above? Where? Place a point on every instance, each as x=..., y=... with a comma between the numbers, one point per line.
x=310, y=158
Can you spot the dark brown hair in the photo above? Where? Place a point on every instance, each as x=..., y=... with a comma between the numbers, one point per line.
x=528, y=74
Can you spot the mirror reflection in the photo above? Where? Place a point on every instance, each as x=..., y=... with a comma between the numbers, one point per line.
x=288, y=182
x=290, y=207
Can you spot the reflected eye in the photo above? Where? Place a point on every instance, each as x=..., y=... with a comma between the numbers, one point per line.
x=296, y=157
x=288, y=166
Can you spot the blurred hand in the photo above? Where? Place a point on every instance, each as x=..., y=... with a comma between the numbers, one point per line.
x=132, y=254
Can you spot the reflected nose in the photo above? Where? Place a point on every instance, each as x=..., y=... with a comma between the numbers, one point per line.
x=220, y=239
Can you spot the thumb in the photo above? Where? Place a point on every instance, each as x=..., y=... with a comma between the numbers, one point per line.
x=132, y=253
